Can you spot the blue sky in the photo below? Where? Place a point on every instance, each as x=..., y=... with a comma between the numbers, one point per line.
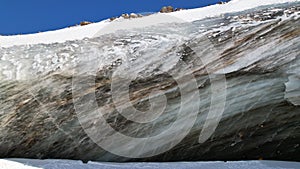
x=30, y=16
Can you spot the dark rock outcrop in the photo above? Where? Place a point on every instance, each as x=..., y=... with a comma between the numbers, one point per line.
x=83, y=23
x=166, y=9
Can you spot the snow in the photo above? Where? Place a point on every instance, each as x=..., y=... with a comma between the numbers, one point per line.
x=105, y=26
x=70, y=164
x=7, y=164
x=219, y=9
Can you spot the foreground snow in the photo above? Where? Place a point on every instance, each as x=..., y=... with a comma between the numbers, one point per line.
x=92, y=30
x=69, y=164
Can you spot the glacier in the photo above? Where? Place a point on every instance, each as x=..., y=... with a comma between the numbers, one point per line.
x=214, y=83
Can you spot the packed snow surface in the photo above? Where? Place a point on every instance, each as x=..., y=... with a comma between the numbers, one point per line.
x=69, y=164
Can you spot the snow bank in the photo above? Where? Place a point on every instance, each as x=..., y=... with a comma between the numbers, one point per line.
x=7, y=164
x=69, y=164
x=92, y=30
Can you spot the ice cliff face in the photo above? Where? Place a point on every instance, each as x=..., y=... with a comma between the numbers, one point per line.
x=220, y=88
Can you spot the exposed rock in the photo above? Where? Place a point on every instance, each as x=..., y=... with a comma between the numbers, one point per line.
x=163, y=10
x=221, y=2
x=167, y=9
x=112, y=18
x=83, y=23
x=133, y=15
x=125, y=16
x=179, y=9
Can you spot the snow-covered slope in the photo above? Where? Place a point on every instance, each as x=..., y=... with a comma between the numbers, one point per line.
x=27, y=61
x=92, y=30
